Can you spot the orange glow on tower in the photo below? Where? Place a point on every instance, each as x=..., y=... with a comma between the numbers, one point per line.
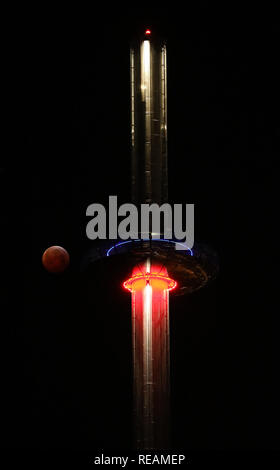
x=149, y=286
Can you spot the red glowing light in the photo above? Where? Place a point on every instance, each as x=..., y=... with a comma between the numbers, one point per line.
x=148, y=32
x=160, y=281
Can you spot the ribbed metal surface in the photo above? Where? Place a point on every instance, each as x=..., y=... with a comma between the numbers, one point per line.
x=148, y=72
x=150, y=339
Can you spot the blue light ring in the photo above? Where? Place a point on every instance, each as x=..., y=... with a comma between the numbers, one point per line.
x=151, y=240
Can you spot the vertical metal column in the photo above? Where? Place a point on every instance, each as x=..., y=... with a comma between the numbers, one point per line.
x=148, y=73
x=150, y=286
x=150, y=296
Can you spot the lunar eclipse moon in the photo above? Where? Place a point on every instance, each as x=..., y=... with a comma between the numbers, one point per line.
x=55, y=259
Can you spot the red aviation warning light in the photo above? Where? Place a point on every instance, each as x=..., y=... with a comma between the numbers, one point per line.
x=148, y=32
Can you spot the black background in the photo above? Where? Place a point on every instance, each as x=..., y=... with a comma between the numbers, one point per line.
x=66, y=373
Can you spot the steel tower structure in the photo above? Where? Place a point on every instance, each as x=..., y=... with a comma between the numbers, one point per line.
x=153, y=265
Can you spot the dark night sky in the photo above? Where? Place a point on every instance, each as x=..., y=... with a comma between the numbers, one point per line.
x=66, y=368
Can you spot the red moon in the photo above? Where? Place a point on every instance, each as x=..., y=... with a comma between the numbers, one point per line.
x=55, y=259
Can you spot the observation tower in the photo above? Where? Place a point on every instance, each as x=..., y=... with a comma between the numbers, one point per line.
x=154, y=267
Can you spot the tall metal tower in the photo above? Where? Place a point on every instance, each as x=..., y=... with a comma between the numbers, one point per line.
x=153, y=265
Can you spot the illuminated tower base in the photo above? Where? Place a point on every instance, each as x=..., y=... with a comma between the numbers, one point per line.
x=149, y=283
x=150, y=287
